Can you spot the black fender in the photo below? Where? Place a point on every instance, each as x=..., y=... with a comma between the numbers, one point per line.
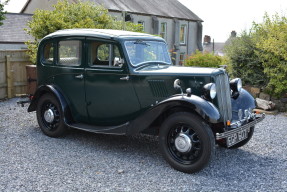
x=59, y=96
x=203, y=108
x=244, y=101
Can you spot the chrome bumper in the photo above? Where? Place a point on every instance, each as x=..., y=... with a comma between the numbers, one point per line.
x=231, y=132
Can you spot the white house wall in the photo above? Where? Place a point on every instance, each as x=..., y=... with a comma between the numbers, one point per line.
x=40, y=4
x=192, y=34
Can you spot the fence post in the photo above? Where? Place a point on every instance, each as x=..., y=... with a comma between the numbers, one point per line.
x=9, y=77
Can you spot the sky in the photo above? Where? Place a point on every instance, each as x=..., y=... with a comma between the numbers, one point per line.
x=220, y=16
x=223, y=16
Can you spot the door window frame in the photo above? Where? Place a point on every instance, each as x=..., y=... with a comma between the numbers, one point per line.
x=103, y=67
x=82, y=53
x=42, y=50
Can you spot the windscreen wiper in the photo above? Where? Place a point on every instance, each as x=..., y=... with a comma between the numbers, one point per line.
x=141, y=42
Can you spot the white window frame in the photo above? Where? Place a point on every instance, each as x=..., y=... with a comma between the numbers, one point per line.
x=143, y=24
x=163, y=34
x=183, y=41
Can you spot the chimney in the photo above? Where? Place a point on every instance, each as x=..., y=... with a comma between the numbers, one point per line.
x=207, y=39
x=233, y=33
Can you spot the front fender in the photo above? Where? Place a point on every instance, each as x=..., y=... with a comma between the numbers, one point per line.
x=203, y=108
x=50, y=89
x=194, y=103
x=243, y=101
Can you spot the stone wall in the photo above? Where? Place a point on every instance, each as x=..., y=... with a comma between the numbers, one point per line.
x=280, y=103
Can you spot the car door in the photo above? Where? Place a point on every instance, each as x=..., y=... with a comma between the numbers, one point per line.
x=69, y=76
x=110, y=96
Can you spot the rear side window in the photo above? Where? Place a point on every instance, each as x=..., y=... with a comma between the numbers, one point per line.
x=70, y=53
x=48, y=53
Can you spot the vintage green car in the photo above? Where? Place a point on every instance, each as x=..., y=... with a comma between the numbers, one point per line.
x=124, y=83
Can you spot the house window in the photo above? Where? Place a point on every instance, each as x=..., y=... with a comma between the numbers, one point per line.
x=182, y=34
x=163, y=30
x=181, y=58
x=143, y=24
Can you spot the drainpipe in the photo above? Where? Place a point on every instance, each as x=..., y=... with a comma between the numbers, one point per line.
x=187, y=39
x=176, y=40
x=199, y=36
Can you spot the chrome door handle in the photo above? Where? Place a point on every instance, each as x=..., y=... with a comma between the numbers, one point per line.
x=81, y=76
x=125, y=78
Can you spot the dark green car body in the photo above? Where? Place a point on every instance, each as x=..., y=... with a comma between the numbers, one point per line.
x=102, y=87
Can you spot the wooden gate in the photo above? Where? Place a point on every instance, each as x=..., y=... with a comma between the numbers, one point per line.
x=13, y=79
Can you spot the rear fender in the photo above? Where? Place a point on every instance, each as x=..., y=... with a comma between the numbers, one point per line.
x=51, y=89
x=203, y=108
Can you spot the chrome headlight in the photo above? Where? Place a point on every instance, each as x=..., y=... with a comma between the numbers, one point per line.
x=236, y=85
x=209, y=91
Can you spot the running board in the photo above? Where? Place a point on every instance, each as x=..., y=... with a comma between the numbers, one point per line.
x=115, y=130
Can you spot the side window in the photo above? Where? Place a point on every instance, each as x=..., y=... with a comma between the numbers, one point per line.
x=48, y=53
x=105, y=54
x=70, y=52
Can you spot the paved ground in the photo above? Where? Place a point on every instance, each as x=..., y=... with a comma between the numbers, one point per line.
x=31, y=161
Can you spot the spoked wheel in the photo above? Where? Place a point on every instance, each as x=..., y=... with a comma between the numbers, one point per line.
x=186, y=142
x=50, y=116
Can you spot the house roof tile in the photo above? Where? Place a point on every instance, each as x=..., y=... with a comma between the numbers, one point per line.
x=164, y=8
x=13, y=27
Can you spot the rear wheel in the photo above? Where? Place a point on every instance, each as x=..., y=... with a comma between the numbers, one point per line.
x=186, y=142
x=50, y=116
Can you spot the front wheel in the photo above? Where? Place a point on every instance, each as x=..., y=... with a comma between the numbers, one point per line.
x=50, y=116
x=186, y=142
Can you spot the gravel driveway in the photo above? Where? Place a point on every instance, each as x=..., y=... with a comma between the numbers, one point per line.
x=81, y=161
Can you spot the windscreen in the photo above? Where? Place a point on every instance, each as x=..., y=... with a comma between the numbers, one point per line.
x=142, y=52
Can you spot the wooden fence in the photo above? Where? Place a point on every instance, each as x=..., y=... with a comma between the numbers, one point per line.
x=13, y=79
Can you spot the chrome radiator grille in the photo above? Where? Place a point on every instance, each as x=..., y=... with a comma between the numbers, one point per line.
x=223, y=96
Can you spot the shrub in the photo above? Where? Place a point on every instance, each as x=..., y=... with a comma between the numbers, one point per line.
x=260, y=56
x=271, y=37
x=246, y=64
x=204, y=59
x=201, y=59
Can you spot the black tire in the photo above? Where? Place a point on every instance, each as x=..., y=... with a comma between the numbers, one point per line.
x=52, y=124
x=184, y=128
x=240, y=144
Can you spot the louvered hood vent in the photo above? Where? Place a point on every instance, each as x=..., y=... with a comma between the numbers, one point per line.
x=158, y=88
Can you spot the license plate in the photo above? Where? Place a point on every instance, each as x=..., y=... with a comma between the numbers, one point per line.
x=237, y=137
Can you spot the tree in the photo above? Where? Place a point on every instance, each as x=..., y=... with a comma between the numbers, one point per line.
x=71, y=15
x=270, y=37
x=245, y=63
x=2, y=12
x=260, y=56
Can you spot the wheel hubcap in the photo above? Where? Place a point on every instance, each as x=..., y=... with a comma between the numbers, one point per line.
x=49, y=116
x=183, y=143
